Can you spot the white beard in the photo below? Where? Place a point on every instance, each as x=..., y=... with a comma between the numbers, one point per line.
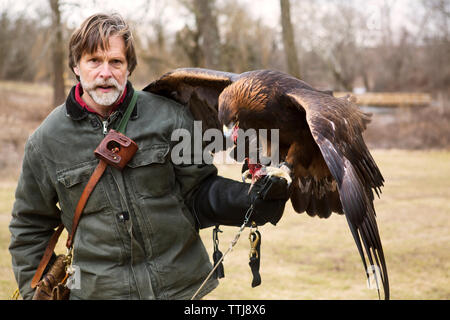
x=103, y=98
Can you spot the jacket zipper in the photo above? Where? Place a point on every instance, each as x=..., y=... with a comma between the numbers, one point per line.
x=108, y=121
x=105, y=127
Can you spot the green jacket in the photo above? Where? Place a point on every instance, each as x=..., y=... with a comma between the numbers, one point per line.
x=137, y=238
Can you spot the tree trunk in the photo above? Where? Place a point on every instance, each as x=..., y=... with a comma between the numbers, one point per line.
x=288, y=39
x=208, y=32
x=57, y=55
x=188, y=40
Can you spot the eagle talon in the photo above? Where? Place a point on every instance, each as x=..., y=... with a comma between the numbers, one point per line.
x=282, y=172
x=245, y=175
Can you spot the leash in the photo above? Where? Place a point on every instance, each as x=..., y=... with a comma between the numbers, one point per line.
x=230, y=248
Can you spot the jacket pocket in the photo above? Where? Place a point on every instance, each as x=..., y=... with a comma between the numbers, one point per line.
x=151, y=172
x=73, y=181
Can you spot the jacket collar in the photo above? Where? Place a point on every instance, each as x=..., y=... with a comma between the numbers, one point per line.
x=77, y=112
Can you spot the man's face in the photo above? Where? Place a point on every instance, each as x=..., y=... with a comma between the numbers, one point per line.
x=103, y=74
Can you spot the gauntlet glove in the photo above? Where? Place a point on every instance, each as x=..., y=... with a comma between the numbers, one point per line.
x=224, y=201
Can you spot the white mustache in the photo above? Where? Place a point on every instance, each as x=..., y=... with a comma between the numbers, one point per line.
x=111, y=82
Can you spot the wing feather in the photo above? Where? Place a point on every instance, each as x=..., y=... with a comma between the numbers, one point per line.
x=196, y=88
x=337, y=125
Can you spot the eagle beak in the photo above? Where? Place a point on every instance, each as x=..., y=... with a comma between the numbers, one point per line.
x=228, y=130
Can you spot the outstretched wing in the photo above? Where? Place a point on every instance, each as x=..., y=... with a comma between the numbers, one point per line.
x=196, y=88
x=336, y=125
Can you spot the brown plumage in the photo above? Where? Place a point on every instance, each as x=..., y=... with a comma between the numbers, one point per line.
x=320, y=138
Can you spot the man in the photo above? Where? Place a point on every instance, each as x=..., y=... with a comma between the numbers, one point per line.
x=138, y=235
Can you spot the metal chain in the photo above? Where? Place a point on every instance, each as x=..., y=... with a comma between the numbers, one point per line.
x=230, y=248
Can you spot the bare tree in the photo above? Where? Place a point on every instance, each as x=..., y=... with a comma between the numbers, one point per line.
x=187, y=41
x=59, y=94
x=331, y=41
x=153, y=48
x=342, y=45
x=202, y=43
x=208, y=31
x=246, y=43
x=19, y=40
x=288, y=39
x=436, y=39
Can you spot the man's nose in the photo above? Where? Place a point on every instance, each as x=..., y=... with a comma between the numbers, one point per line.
x=105, y=71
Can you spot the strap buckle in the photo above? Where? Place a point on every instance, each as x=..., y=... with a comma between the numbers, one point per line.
x=217, y=255
x=255, y=257
x=254, y=238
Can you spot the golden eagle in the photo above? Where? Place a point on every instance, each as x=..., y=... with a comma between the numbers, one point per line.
x=320, y=138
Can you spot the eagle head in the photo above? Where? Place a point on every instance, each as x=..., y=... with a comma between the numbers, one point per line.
x=241, y=102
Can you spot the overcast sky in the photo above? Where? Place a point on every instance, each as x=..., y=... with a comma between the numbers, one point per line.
x=174, y=16
x=81, y=9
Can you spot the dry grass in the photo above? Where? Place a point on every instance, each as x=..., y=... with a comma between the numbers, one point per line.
x=23, y=107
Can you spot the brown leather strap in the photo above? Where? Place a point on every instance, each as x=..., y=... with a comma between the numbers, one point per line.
x=95, y=177
x=47, y=255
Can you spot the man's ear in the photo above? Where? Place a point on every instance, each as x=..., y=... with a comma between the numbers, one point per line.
x=76, y=70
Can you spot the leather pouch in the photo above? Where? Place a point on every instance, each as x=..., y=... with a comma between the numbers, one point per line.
x=116, y=149
x=53, y=284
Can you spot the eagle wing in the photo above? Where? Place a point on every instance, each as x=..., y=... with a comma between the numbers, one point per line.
x=336, y=125
x=196, y=88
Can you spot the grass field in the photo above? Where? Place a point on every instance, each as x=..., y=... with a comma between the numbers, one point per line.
x=310, y=258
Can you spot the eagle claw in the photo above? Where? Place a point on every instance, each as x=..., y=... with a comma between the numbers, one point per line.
x=281, y=171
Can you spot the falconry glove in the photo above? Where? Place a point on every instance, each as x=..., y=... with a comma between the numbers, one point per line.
x=224, y=201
